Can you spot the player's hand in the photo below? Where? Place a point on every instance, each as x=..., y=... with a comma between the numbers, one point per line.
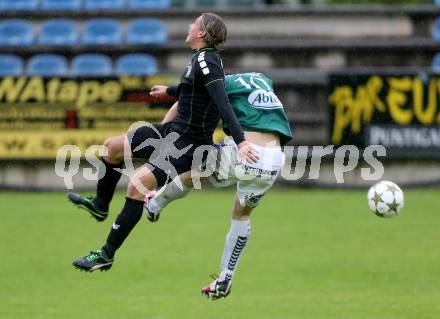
x=158, y=90
x=247, y=152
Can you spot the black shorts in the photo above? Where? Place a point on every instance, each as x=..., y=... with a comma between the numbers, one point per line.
x=163, y=149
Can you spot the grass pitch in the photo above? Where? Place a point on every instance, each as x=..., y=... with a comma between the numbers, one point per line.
x=312, y=254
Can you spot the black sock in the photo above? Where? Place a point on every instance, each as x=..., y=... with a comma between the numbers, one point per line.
x=129, y=216
x=107, y=184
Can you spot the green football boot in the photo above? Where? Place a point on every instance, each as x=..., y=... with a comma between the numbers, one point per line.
x=94, y=261
x=89, y=204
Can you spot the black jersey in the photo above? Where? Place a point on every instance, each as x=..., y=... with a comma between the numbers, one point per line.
x=202, y=99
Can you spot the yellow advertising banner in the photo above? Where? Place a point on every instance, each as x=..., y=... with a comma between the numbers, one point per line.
x=391, y=102
x=45, y=145
x=38, y=115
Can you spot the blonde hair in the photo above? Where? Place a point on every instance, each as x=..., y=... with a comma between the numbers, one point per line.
x=215, y=29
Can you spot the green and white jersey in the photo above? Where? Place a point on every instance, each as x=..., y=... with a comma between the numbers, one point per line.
x=256, y=106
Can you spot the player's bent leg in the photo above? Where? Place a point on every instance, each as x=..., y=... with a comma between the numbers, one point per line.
x=156, y=201
x=115, y=146
x=235, y=242
x=98, y=205
x=127, y=219
x=111, y=170
x=249, y=194
x=251, y=187
x=143, y=181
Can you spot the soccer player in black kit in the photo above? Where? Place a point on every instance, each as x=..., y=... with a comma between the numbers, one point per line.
x=202, y=102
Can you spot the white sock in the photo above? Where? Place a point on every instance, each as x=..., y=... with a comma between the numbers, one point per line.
x=235, y=242
x=166, y=195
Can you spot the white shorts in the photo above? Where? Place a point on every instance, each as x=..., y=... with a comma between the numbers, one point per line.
x=253, y=180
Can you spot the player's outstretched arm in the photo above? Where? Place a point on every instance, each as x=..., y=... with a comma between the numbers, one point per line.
x=158, y=90
x=162, y=90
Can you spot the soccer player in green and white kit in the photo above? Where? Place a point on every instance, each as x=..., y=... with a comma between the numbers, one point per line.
x=261, y=115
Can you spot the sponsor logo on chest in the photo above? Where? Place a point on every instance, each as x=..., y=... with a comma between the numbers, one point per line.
x=263, y=99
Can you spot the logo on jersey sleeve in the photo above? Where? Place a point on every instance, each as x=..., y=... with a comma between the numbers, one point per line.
x=263, y=99
x=202, y=63
x=188, y=70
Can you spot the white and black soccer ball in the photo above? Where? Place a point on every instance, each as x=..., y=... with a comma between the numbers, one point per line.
x=385, y=199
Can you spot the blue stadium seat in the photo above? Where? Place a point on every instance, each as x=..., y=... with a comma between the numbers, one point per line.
x=47, y=65
x=136, y=64
x=10, y=64
x=436, y=33
x=16, y=32
x=104, y=4
x=58, y=32
x=61, y=4
x=436, y=63
x=18, y=5
x=146, y=31
x=102, y=31
x=90, y=64
x=149, y=4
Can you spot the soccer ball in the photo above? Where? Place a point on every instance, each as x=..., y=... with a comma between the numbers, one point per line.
x=385, y=199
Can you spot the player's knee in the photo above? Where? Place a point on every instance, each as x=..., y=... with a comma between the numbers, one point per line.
x=241, y=215
x=250, y=201
x=112, y=144
x=241, y=212
x=135, y=190
x=141, y=184
x=115, y=147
